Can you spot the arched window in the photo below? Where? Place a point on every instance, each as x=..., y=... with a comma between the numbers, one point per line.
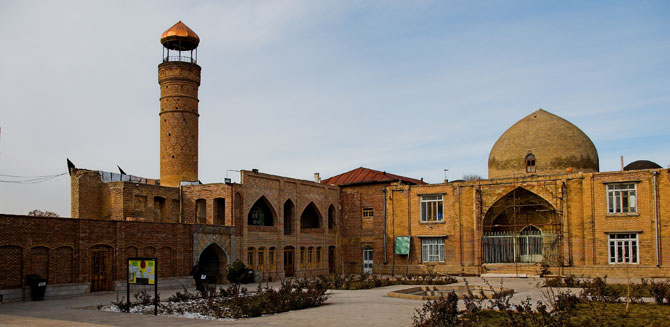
x=310, y=217
x=261, y=259
x=530, y=163
x=250, y=257
x=271, y=259
x=302, y=257
x=200, y=211
x=310, y=257
x=289, y=213
x=331, y=217
x=261, y=213
x=318, y=257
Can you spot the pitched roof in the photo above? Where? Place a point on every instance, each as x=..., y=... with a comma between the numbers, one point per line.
x=364, y=175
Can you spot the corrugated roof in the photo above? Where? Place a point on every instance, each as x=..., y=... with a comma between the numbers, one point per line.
x=364, y=175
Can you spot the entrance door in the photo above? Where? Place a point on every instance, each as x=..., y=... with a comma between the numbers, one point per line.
x=101, y=270
x=530, y=241
x=331, y=259
x=367, y=260
x=289, y=267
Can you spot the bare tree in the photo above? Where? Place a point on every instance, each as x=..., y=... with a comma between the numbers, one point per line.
x=472, y=177
x=42, y=213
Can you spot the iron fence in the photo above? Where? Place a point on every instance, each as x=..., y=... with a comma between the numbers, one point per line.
x=524, y=247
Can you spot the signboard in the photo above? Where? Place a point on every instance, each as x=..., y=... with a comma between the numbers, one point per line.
x=402, y=245
x=142, y=271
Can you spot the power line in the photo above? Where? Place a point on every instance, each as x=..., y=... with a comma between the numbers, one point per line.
x=15, y=179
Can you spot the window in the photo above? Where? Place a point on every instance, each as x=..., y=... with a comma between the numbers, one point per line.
x=318, y=257
x=623, y=248
x=271, y=259
x=530, y=163
x=310, y=252
x=432, y=249
x=431, y=208
x=368, y=212
x=302, y=257
x=250, y=258
x=621, y=198
x=200, y=211
x=261, y=259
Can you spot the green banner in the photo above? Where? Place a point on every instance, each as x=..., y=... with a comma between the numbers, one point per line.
x=402, y=245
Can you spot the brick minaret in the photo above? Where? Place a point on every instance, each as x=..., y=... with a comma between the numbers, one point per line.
x=179, y=79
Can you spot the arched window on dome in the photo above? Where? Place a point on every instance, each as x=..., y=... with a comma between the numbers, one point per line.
x=530, y=163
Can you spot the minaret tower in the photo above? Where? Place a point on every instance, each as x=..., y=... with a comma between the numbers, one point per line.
x=179, y=79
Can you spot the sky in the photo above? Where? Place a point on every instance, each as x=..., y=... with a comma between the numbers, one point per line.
x=294, y=87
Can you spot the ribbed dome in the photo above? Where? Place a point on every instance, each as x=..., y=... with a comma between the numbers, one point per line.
x=554, y=144
x=180, y=37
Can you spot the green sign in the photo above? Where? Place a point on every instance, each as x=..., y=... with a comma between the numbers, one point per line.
x=402, y=245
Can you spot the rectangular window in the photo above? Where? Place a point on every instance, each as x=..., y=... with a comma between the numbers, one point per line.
x=621, y=198
x=261, y=259
x=318, y=257
x=271, y=259
x=431, y=208
x=623, y=248
x=368, y=212
x=432, y=249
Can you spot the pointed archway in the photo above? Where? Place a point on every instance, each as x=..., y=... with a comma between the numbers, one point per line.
x=213, y=261
x=310, y=217
x=521, y=227
x=262, y=213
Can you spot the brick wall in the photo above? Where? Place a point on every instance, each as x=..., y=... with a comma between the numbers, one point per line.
x=58, y=248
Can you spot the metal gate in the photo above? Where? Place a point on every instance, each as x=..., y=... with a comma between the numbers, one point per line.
x=529, y=246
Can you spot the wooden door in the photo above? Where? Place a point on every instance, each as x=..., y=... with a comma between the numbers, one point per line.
x=101, y=270
x=289, y=259
x=331, y=260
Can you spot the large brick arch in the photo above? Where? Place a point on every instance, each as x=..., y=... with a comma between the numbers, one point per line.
x=11, y=268
x=61, y=264
x=518, y=207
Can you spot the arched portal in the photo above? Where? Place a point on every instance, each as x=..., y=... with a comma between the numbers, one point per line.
x=289, y=217
x=261, y=213
x=310, y=217
x=521, y=227
x=213, y=263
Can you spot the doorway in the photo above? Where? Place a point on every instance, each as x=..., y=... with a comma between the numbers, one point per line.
x=289, y=261
x=101, y=268
x=331, y=259
x=367, y=260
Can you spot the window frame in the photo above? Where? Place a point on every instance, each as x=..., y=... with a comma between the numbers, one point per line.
x=531, y=163
x=250, y=257
x=619, y=244
x=616, y=197
x=429, y=244
x=367, y=212
x=271, y=258
x=427, y=199
x=261, y=259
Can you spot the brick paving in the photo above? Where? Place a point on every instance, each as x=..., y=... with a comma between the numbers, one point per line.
x=353, y=308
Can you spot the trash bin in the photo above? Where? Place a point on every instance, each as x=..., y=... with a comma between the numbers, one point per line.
x=38, y=286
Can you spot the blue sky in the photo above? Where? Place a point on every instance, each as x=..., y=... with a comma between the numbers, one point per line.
x=297, y=87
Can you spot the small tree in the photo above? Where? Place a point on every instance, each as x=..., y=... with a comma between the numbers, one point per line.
x=41, y=213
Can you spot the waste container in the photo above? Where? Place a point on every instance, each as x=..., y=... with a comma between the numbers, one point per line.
x=38, y=286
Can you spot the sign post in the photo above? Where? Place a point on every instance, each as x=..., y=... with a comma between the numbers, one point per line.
x=143, y=271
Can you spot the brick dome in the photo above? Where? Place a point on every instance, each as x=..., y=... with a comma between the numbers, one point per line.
x=543, y=144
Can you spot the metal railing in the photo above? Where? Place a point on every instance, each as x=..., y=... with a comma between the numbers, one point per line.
x=510, y=247
x=180, y=59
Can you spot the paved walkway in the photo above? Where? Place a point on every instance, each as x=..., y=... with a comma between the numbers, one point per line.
x=353, y=308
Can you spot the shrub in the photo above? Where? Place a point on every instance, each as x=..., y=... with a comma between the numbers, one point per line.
x=442, y=312
x=238, y=273
x=660, y=291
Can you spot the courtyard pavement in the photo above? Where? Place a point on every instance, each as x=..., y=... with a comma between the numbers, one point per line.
x=352, y=308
